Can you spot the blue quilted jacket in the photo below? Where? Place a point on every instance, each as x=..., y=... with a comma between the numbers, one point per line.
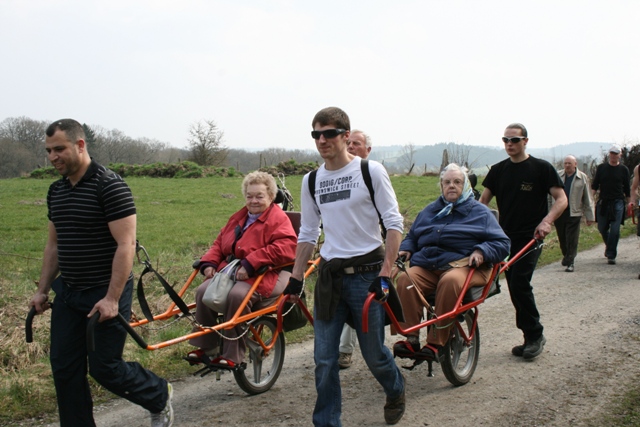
x=470, y=226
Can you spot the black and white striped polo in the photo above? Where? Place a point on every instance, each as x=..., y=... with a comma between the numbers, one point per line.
x=85, y=245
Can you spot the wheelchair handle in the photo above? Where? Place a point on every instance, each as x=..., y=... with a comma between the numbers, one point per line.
x=91, y=326
x=28, y=331
x=400, y=262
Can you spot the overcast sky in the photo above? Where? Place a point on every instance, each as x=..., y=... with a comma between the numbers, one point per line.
x=418, y=72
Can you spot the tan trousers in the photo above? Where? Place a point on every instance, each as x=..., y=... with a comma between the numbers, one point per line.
x=233, y=349
x=447, y=285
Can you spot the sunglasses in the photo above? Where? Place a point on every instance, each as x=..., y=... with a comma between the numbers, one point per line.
x=328, y=134
x=515, y=139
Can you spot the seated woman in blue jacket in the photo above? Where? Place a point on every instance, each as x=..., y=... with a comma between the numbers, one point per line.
x=448, y=237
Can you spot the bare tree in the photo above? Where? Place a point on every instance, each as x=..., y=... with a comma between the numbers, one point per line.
x=111, y=146
x=459, y=154
x=23, y=144
x=205, y=142
x=273, y=156
x=406, y=159
x=24, y=131
x=146, y=150
x=16, y=159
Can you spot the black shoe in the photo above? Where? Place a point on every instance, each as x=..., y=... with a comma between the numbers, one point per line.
x=534, y=348
x=564, y=262
x=569, y=269
x=518, y=350
x=429, y=353
x=407, y=348
x=611, y=261
x=394, y=408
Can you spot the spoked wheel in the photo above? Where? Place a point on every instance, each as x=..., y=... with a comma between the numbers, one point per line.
x=262, y=370
x=459, y=358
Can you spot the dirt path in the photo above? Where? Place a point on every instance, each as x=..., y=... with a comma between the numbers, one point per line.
x=592, y=325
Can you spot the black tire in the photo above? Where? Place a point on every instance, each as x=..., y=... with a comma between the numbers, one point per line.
x=458, y=359
x=261, y=372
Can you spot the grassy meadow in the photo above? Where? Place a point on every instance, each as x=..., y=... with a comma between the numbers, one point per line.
x=177, y=221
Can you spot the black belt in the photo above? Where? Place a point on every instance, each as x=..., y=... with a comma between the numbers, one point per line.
x=365, y=268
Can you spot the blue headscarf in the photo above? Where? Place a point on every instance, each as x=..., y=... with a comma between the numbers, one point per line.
x=467, y=192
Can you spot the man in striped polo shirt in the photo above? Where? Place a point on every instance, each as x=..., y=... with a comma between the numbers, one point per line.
x=87, y=262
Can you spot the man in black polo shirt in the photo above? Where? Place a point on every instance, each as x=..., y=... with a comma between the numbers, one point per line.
x=87, y=262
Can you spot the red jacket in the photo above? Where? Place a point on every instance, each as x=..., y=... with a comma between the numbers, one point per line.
x=269, y=241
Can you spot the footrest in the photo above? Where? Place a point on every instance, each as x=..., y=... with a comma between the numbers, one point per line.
x=216, y=367
x=403, y=350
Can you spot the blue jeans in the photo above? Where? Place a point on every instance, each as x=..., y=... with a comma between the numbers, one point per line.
x=355, y=289
x=609, y=220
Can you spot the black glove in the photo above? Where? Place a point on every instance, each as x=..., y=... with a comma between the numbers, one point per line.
x=380, y=287
x=294, y=287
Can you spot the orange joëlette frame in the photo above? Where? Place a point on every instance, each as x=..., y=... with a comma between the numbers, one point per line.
x=237, y=318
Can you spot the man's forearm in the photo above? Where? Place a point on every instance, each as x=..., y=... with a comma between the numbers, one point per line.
x=555, y=212
x=303, y=255
x=392, y=245
x=121, y=269
x=50, y=268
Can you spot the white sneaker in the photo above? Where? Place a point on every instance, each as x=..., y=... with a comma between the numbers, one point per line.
x=164, y=418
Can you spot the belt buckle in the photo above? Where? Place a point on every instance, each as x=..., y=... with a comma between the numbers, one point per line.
x=349, y=270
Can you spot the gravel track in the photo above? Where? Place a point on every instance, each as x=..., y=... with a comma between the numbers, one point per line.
x=592, y=325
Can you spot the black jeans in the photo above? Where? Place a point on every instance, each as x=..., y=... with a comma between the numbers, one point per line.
x=70, y=358
x=610, y=215
x=519, y=280
x=568, y=229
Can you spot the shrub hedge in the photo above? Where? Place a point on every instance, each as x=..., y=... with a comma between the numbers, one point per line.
x=185, y=169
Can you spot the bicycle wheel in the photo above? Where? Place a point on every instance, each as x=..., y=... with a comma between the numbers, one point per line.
x=459, y=359
x=262, y=370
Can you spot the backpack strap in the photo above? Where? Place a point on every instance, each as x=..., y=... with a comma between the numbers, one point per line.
x=366, y=176
x=312, y=186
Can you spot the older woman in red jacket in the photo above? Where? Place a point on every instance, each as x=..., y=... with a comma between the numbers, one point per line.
x=260, y=234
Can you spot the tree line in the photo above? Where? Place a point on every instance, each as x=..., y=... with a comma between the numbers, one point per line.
x=22, y=145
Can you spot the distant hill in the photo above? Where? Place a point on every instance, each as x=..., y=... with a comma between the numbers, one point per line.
x=429, y=157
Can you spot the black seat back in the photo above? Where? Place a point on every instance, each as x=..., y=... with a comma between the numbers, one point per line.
x=295, y=218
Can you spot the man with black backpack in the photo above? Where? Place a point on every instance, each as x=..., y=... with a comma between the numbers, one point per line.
x=87, y=262
x=354, y=262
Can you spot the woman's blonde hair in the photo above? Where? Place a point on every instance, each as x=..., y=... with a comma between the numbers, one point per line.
x=258, y=177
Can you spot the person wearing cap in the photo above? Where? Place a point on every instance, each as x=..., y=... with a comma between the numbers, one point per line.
x=576, y=187
x=521, y=184
x=611, y=188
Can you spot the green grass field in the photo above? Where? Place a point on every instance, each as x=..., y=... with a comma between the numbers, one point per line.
x=177, y=221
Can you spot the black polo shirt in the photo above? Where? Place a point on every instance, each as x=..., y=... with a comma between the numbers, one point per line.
x=85, y=245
